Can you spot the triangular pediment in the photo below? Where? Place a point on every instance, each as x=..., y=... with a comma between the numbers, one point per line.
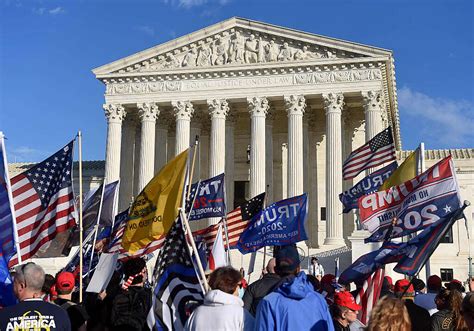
x=237, y=42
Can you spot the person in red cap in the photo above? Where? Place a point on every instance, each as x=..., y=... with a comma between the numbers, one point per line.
x=65, y=283
x=344, y=310
x=427, y=300
x=327, y=288
x=419, y=317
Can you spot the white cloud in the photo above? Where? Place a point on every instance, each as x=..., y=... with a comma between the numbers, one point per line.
x=447, y=122
x=148, y=30
x=193, y=3
x=56, y=11
x=53, y=11
x=26, y=154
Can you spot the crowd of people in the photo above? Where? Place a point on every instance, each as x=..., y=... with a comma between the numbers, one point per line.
x=284, y=298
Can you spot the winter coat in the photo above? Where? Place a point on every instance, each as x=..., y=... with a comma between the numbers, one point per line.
x=220, y=311
x=258, y=290
x=294, y=305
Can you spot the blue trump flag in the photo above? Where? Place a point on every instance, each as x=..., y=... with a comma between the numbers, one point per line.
x=419, y=249
x=367, y=264
x=281, y=223
x=7, y=238
x=209, y=201
x=367, y=185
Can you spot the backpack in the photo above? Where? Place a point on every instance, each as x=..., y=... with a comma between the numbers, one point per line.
x=131, y=307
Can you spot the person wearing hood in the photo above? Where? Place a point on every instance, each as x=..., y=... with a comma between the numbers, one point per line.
x=294, y=305
x=222, y=308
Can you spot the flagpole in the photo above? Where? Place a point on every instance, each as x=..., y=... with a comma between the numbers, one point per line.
x=265, y=247
x=224, y=220
x=96, y=228
x=421, y=158
x=193, y=245
x=196, y=143
x=10, y=199
x=81, y=262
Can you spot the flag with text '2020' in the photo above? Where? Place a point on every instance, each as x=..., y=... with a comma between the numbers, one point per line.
x=378, y=150
x=176, y=282
x=367, y=185
x=281, y=223
x=156, y=207
x=209, y=200
x=419, y=249
x=44, y=201
x=415, y=204
x=7, y=237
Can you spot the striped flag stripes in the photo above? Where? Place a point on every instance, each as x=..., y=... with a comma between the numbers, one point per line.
x=380, y=149
x=369, y=294
x=44, y=202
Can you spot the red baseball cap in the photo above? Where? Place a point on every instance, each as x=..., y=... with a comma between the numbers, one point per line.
x=65, y=281
x=403, y=284
x=328, y=279
x=345, y=299
x=434, y=282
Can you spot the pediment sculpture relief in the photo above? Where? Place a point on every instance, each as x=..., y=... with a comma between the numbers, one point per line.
x=236, y=48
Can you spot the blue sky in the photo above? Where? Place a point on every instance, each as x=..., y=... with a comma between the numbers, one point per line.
x=48, y=49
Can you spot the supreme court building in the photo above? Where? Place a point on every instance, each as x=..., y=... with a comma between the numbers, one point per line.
x=275, y=109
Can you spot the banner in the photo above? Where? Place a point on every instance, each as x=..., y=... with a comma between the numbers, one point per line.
x=156, y=207
x=416, y=203
x=281, y=223
x=209, y=201
x=367, y=185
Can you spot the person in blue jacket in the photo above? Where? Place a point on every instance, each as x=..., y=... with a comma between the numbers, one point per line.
x=293, y=305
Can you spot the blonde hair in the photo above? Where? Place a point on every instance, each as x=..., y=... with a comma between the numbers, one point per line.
x=389, y=314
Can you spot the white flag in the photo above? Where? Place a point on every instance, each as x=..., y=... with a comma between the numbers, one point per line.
x=217, y=258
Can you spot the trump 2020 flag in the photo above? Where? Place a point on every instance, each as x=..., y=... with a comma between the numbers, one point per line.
x=281, y=223
x=7, y=237
x=209, y=200
x=367, y=185
x=416, y=203
x=419, y=249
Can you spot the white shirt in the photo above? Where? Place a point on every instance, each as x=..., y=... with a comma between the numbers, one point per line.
x=316, y=270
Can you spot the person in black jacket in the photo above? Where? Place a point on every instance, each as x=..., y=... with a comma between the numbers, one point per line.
x=448, y=317
x=420, y=318
x=260, y=288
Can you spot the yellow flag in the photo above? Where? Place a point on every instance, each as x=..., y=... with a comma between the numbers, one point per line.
x=156, y=207
x=406, y=171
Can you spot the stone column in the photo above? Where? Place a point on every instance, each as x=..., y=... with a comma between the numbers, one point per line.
x=229, y=161
x=373, y=105
x=115, y=114
x=147, y=112
x=183, y=111
x=218, y=110
x=333, y=103
x=295, y=107
x=161, y=142
x=258, y=108
x=269, y=154
x=126, y=164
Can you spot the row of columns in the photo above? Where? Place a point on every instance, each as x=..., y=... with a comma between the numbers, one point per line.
x=258, y=108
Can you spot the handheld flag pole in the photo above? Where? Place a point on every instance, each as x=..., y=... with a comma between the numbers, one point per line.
x=10, y=198
x=81, y=262
x=96, y=230
x=265, y=247
x=193, y=246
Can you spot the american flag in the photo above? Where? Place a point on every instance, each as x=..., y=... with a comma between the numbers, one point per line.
x=44, y=202
x=176, y=282
x=237, y=222
x=376, y=151
x=116, y=239
x=369, y=294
